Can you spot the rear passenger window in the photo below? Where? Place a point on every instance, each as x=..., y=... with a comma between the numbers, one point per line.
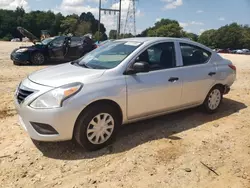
x=194, y=55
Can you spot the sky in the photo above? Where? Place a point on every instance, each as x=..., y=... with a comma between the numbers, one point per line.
x=193, y=15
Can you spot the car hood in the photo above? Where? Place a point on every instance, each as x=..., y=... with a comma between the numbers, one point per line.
x=35, y=46
x=64, y=74
x=27, y=34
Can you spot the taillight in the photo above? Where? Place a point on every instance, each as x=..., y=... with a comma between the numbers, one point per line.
x=232, y=67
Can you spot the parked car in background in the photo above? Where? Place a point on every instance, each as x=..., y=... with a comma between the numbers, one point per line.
x=58, y=48
x=223, y=51
x=127, y=81
x=245, y=51
x=15, y=40
x=104, y=42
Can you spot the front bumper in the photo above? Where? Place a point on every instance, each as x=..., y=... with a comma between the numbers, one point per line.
x=20, y=57
x=62, y=120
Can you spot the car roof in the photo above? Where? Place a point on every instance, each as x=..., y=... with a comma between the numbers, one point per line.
x=159, y=39
x=153, y=39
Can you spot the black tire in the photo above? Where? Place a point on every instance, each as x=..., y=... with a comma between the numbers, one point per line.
x=37, y=58
x=16, y=63
x=208, y=106
x=83, y=124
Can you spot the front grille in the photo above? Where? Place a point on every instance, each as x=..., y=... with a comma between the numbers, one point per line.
x=22, y=94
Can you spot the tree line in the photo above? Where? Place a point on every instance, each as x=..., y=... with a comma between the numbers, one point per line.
x=56, y=24
x=233, y=36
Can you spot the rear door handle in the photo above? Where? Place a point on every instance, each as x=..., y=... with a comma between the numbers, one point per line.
x=211, y=73
x=173, y=79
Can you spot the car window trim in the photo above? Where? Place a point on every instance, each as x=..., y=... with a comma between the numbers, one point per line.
x=130, y=64
x=206, y=62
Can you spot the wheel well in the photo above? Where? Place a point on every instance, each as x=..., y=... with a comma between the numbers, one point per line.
x=220, y=86
x=37, y=51
x=104, y=102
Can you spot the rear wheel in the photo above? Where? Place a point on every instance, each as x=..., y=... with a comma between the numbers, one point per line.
x=213, y=100
x=96, y=127
x=37, y=58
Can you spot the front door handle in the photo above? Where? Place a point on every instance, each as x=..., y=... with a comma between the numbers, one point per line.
x=173, y=79
x=211, y=73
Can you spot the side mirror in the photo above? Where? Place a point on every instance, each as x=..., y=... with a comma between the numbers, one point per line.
x=138, y=67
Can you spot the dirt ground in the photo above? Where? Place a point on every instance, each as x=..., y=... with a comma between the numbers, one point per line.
x=172, y=151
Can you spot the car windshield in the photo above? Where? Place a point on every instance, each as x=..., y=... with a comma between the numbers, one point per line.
x=46, y=41
x=109, y=55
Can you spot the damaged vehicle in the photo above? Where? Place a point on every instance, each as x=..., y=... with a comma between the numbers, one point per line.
x=58, y=48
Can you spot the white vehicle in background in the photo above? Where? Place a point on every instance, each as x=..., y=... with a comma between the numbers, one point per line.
x=239, y=52
x=123, y=81
x=25, y=39
x=15, y=40
x=245, y=51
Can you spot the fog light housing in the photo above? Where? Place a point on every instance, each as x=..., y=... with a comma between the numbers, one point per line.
x=44, y=129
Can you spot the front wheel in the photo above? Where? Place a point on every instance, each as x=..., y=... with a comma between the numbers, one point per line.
x=96, y=127
x=37, y=58
x=16, y=63
x=213, y=100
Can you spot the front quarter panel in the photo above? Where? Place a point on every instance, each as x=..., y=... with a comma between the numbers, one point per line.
x=104, y=88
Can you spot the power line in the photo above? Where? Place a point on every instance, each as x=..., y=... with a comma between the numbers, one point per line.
x=110, y=11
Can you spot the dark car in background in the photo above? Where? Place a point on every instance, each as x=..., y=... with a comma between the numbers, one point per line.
x=103, y=42
x=58, y=48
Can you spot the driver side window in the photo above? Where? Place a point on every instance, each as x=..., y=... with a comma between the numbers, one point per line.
x=58, y=42
x=159, y=56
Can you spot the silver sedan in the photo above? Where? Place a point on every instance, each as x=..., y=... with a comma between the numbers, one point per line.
x=121, y=82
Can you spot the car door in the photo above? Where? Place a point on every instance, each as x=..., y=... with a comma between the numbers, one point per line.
x=58, y=48
x=75, y=47
x=88, y=45
x=157, y=90
x=197, y=72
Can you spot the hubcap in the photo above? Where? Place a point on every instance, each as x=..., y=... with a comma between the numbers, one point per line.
x=100, y=128
x=214, y=99
x=39, y=58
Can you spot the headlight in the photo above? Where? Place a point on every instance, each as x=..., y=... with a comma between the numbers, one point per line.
x=22, y=50
x=54, y=98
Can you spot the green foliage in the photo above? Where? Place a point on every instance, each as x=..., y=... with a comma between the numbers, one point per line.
x=7, y=38
x=83, y=28
x=208, y=38
x=127, y=35
x=100, y=37
x=57, y=24
x=164, y=28
x=69, y=24
x=232, y=36
x=191, y=36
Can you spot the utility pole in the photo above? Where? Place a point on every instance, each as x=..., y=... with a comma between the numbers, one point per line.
x=119, y=20
x=110, y=11
x=99, y=23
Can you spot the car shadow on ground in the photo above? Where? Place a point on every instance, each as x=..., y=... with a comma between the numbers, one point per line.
x=135, y=134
